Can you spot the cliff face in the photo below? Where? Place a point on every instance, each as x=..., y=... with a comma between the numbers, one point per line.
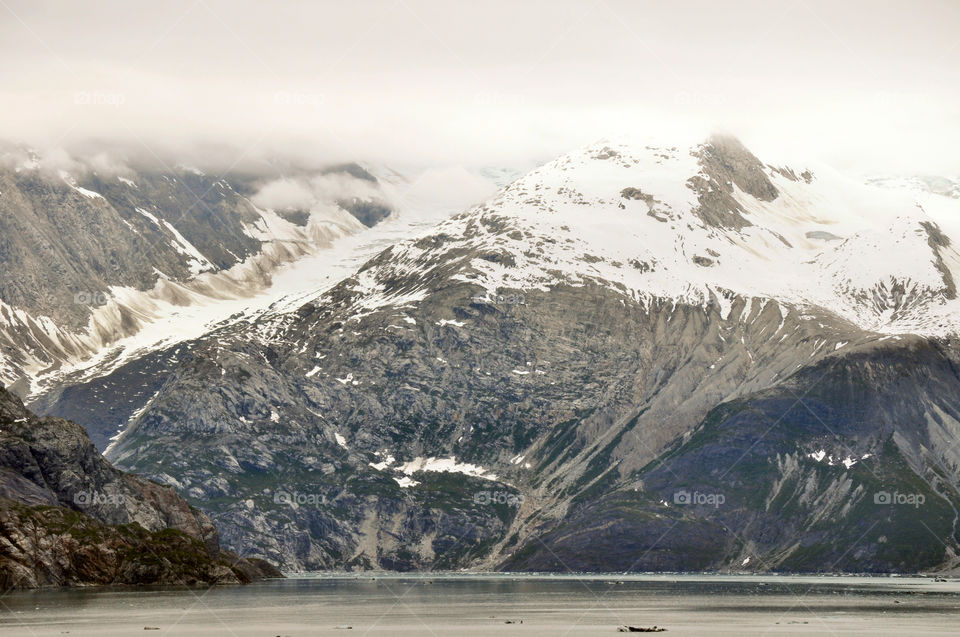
x=67, y=517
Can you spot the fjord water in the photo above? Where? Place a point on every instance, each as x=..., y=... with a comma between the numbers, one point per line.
x=461, y=605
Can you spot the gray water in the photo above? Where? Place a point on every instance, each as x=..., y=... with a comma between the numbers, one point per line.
x=463, y=605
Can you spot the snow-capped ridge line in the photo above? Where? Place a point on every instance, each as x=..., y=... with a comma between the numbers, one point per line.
x=631, y=218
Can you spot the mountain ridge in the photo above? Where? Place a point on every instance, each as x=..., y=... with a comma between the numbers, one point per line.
x=471, y=395
x=94, y=253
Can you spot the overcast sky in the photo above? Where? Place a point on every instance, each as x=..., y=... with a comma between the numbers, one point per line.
x=867, y=85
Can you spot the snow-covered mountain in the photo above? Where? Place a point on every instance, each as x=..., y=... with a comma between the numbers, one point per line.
x=302, y=253
x=703, y=225
x=624, y=324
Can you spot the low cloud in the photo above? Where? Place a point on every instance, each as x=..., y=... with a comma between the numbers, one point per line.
x=285, y=194
x=307, y=192
x=246, y=87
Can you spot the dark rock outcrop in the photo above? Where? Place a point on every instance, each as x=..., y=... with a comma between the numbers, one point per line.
x=727, y=163
x=69, y=518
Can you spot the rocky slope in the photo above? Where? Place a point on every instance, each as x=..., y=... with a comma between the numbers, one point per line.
x=68, y=518
x=92, y=253
x=849, y=465
x=635, y=357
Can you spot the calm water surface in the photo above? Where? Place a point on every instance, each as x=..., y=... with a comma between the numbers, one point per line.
x=463, y=605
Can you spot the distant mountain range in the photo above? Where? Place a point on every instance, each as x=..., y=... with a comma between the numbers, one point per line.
x=945, y=186
x=635, y=357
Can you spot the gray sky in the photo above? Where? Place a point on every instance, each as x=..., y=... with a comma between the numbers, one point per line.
x=872, y=86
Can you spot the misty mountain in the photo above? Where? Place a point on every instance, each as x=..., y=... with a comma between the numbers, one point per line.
x=91, y=255
x=935, y=184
